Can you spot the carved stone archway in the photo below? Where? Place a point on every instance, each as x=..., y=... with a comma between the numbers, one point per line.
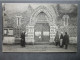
x=51, y=20
x=46, y=11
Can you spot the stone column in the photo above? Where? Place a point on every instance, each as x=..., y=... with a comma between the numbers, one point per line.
x=52, y=33
x=29, y=36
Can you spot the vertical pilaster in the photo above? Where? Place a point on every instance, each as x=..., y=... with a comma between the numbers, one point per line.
x=29, y=36
x=52, y=33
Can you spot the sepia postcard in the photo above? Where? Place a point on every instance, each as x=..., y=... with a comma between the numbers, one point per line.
x=39, y=27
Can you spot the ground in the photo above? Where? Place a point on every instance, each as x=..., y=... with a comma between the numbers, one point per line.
x=38, y=48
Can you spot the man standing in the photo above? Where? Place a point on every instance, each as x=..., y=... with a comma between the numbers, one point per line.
x=57, y=38
x=23, y=39
x=66, y=40
x=61, y=40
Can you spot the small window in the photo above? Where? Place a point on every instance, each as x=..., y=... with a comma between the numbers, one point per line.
x=10, y=32
x=5, y=31
x=19, y=18
x=65, y=18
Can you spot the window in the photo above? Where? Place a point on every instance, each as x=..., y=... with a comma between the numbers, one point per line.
x=19, y=20
x=5, y=31
x=65, y=19
x=10, y=32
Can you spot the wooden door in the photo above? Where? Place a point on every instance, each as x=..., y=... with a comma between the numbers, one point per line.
x=41, y=32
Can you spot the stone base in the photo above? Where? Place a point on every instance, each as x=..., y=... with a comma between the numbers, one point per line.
x=8, y=40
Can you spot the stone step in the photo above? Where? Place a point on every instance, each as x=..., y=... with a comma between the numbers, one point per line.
x=41, y=43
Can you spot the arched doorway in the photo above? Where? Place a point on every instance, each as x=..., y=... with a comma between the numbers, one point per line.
x=42, y=28
x=42, y=21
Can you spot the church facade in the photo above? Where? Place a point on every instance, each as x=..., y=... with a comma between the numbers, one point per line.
x=42, y=23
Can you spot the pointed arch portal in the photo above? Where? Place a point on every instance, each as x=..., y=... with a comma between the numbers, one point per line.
x=42, y=27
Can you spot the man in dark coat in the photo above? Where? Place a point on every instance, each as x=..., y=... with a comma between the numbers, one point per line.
x=23, y=39
x=57, y=39
x=66, y=40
